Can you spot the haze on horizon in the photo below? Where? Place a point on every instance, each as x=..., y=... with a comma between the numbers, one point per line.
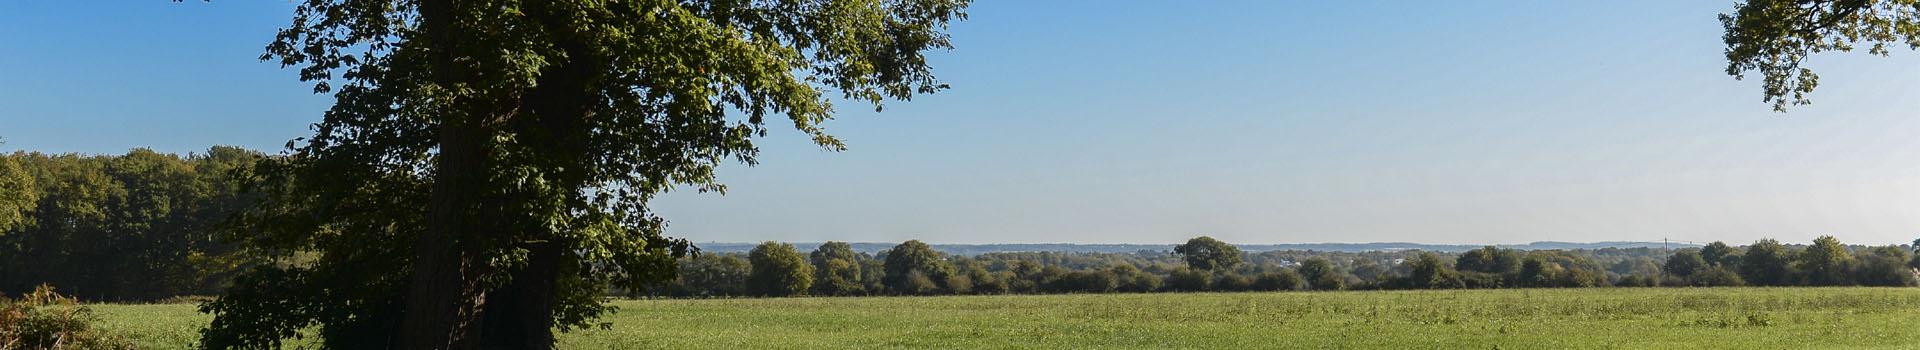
x=1080, y=122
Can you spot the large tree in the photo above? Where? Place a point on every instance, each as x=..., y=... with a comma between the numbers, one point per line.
x=1774, y=37
x=1206, y=253
x=485, y=170
x=778, y=270
x=1826, y=263
x=912, y=263
x=1766, y=263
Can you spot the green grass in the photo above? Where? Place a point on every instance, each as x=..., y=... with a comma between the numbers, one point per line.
x=1601, y=318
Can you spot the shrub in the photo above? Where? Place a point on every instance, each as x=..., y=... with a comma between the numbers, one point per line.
x=960, y=284
x=1717, y=276
x=1188, y=280
x=917, y=283
x=1141, y=283
x=1232, y=282
x=1284, y=280
x=44, y=320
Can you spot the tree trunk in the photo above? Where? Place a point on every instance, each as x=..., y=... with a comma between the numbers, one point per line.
x=520, y=315
x=444, y=296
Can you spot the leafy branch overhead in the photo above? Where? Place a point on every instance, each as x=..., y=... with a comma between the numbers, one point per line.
x=1775, y=37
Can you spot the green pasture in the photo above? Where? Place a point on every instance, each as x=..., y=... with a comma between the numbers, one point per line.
x=1592, y=318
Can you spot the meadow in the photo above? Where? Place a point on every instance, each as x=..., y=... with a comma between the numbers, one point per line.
x=1585, y=318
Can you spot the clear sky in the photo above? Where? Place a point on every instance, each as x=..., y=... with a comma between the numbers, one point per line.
x=1150, y=122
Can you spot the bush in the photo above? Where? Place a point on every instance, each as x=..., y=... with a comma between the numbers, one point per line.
x=1083, y=282
x=1232, y=282
x=44, y=320
x=1141, y=283
x=1188, y=280
x=960, y=284
x=1717, y=276
x=1285, y=280
x=917, y=283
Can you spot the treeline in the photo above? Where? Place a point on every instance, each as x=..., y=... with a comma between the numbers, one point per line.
x=142, y=226
x=1205, y=264
x=137, y=226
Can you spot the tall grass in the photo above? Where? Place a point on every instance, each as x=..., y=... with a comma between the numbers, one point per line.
x=1595, y=318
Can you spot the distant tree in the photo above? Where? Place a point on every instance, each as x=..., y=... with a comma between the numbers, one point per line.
x=1132, y=280
x=835, y=270
x=829, y=280
x=1369, y=271
x=1489, y=259
x=131, y=227
x=1320, y=275
x=1283, y=280
x=17, y=194
x=1206, y=253
x=985, y=282
x=911, y=256
x=1430, y=272
x=1094, y=281
x=916, y=282
x=1766, y=264
x=836, y=250
x=873, y=274
x=959, y=284
x=1229, y=281
x=778, y=271
x=1883, y=267
x=1716, y=276
x=711, y=275
x=1187, y=279
x=1825, y=263
x=1773, y=37
x=1719, y=253
x=1535, y=272
x=1685, y=262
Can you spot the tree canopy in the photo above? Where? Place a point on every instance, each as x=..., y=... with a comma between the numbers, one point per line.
x=778, y=270
x=1206, y=253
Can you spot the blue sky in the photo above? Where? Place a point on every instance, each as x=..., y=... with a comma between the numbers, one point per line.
x=1150, y=122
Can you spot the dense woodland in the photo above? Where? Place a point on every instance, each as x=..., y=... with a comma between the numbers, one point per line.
x=142, y=226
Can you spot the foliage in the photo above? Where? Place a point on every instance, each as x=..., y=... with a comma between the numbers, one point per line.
x=1188, y=280
x=1206, y=253
x=17, y=194
x=1320, y=275
x=712, y=275
x=42, y=319
x=1229, y=281
x=1284, y=280
x=1490, y=259
x=778, y=270
x=1718, y=253
x=912, y=256
x=1716, y=276
x=1685, y=262
x=132, y=227
x=1884, y=267
x=1766, y=264
x=503, y=154
x=1774, y=37
x=1429, y=272
x=1825, y=263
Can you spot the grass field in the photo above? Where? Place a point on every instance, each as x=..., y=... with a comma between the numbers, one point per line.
x=1596, y=318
